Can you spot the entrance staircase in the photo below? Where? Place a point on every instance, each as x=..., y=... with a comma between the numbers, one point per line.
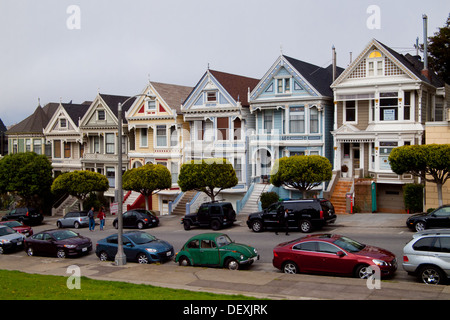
x=252, y=203
x=180, y=208
x=338, y=198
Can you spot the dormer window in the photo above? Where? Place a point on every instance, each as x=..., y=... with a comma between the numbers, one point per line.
x=151, y=105
x=101, y=115
x=62, y=123
x=375, y=64
x=284, y=85
x=211, y=96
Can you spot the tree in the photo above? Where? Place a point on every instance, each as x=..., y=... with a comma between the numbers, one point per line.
x=28, y=175
x=430, y=162
x=147, y=179
x=301, y=172
x=210, y=176
x=80, y=183
x=439, y=52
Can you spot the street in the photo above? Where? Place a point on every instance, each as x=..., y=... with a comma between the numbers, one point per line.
x=170, y=229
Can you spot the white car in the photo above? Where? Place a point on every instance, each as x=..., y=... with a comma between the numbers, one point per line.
x=74, y=219
x=10, y=240
x=427, y=256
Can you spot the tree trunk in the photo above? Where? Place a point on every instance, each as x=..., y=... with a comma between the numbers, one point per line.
x=439, y=191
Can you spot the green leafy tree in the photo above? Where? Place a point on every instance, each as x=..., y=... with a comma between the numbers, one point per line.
x=439, y=51
x=210, y=176
x=80, y=184
x=27, y=175
x=430, y=162
x=147, y=180
x=301, y=172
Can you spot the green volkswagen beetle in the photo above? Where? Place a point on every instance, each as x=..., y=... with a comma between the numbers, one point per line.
x=215, y=250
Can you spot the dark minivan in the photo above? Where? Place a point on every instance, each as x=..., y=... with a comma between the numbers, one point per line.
x=215, y=215
x=27, y=215
x=303, y=214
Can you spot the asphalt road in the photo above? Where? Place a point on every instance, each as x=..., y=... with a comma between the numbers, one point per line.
x=171, y=230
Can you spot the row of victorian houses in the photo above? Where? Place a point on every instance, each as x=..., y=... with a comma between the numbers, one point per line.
x=354, y=117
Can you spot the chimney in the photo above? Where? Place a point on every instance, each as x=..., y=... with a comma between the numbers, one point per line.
x=334, y=62
x=425, y=71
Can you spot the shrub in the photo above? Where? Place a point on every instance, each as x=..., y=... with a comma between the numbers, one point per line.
x=267, y=198
x=413, y=197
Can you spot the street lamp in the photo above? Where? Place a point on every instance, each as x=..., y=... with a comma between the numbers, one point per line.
x=121, y=258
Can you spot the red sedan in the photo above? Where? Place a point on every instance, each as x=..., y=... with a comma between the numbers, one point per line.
x=332, y=254
x=18, y=227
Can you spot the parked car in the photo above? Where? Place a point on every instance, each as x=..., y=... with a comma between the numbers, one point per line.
x=10, y=240
x=18, y=227
x=439, y=218
x=57, y=242
x=303, y=214
x=427, y=256
x=138, y=218
x=74, y=219
x=138, y=246
x=215, y=250
x=215, y=215
x=27, y=215
x=332, y=254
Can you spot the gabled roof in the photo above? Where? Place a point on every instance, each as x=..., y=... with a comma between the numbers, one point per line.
x=2, y=127
x=173, y=95
x=237, y=86
x=76, y=111
x=112, y=101
x=320, y=78
x=36, y=122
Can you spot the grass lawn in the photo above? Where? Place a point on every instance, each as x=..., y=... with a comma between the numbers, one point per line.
x=16, y=285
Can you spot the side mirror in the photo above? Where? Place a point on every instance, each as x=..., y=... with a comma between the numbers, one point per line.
x=340, y=254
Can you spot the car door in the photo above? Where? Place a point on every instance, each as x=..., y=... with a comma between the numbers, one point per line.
x=68, y=219
x=332, y=262
x=305, y=256
x=209, y=253
x=440, y=218
x=46, y=245
x=193, y=247
x=129, y=219
x=270, y=215
x=203, y=215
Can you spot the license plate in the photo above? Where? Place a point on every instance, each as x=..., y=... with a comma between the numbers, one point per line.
x=84, y=249
x=19, y=243
x=168, y=253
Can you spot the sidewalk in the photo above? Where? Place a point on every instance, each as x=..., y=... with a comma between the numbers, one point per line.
x=260, y=284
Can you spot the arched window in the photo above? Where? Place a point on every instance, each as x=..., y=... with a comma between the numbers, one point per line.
x=375, y=64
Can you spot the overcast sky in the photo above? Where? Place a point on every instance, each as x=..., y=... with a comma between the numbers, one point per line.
x=51, y=52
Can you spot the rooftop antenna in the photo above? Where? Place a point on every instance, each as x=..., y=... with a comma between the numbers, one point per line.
x=39, y=102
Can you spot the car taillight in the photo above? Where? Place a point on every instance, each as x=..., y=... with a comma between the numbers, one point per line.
x=28, y=214
x=275, y=254
x=405, y=259
x=321, y=214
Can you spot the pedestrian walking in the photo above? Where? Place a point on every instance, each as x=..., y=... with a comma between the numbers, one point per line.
x=91, y=219
x=101, y=216
x=283, y=220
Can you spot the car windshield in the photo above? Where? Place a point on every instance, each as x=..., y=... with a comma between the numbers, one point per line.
x=223, y=240
x=349, y=244
x=141, y=237
x=5, y=231
x=13, y=224
x=64, y=234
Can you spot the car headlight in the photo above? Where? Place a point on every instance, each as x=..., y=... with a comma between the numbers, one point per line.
x=151, y=250
x=379, y=262
x=256, y=251
x=70, y=246
x=5, y=241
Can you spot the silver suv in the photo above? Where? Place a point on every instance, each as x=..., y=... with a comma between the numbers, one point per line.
x=427, y=256
x=74, y=219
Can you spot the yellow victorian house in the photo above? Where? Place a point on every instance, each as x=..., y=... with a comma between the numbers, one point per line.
x=157, y=133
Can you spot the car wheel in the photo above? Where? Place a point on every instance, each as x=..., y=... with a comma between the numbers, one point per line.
x=420, y=226
x=232, y=264
x=187, y=225
x=215, y=224
x=140, y=225
x=290, y=267
x=305, y=226
x=61, y=253
x=431, y=275
x=142, y=258
x=59, y=225
x=363, y=272
x=103, y=256
x=76, y=225
x=257, y=226
x=30, y=252
x=184, y=261
x=1, y=250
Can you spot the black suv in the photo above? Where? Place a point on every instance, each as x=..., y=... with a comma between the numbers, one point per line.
x=27, y=215
x=211, y=214
x=303, y=214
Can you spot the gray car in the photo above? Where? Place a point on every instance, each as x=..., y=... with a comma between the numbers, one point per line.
x=75, y=219
x=9, y=239
x=427, y=256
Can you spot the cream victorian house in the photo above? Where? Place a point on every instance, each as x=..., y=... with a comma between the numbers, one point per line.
x=157, y=133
